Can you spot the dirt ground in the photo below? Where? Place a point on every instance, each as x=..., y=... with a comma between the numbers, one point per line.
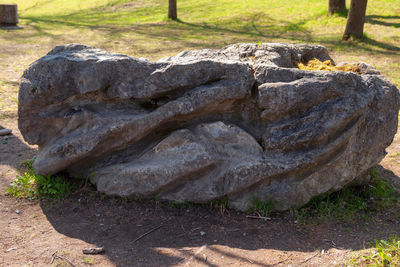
x=148, y=233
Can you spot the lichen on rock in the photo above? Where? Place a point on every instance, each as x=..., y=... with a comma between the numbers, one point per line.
x=327, y=65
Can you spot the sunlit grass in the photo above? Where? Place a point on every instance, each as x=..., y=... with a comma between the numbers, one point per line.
x=31, y=185
x=140, y=28
x=384, y=253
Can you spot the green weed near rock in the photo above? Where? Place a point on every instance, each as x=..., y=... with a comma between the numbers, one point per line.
x=375, y=195
x=263, y=208
x=31, y=185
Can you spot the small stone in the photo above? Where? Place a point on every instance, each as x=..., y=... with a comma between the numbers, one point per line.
x=5, y=132
x=93, y=251
x=17, y=211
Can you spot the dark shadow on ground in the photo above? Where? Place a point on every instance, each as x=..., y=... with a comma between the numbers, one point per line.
x=193, y=34
x=383, y=20
x=12, y=152
x=115, y=224
x=381, y=45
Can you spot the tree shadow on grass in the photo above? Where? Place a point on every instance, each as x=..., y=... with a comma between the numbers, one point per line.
x=150, y=233
x=383, y=20
x=365, y=44
x=382, y=45
x=268, y=28
x=195, y=35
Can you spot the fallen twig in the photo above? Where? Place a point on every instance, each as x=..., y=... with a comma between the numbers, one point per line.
x=316, y=254
x=282, y=261
x=11, y=249
x=149, y=232
x=258, y=217
x=330, y=241
x=249, y=260
x=54, y=256
x=195, y=255
x=65, y=258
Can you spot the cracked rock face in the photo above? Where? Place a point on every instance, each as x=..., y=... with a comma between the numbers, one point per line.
x=240, y=122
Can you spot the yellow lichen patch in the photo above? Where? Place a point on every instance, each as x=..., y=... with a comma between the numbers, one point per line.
x=327, y=65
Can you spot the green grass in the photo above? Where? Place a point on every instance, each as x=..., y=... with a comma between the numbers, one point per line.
x=220, y=204
x=34, y=186
x=384, y=253
x=88, y=260
x=343, y=204
x=262, y=208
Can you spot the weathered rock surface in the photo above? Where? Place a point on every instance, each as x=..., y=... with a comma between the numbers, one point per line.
x=240, y=122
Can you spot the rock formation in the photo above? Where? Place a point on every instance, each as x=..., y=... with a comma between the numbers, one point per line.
x=240, y=122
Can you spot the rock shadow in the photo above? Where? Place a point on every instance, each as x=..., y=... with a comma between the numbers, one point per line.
x=12, y=151
x=150, y=233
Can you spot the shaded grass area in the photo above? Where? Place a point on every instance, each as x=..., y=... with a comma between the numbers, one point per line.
x=350, y=201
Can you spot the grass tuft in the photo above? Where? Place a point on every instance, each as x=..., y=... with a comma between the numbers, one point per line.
x=31, y=185
x=220, y=204
x=385, y=253
x=343, y=204
x=263, y=208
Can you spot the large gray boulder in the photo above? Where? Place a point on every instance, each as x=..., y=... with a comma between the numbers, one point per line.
x=241, y=122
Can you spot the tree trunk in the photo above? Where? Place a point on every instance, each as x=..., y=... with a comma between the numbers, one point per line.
x=172, y=14
x=8, y=15
x=355, y=19
x=337, y=6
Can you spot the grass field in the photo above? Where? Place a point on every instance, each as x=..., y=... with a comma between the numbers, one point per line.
x=140, y=28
